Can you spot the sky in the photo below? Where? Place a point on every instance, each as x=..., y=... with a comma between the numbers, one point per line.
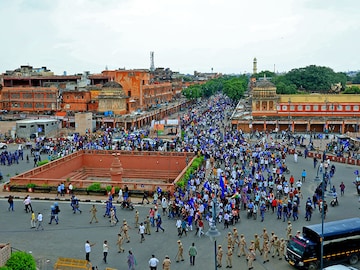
x=221, y=36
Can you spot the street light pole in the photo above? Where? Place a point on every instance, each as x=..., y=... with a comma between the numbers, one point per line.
x=213, y=232
x=289, y=113
x=322, y=222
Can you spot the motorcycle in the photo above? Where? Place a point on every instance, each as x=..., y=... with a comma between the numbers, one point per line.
x=334, y=202
x=249, y=213
x=127, y=205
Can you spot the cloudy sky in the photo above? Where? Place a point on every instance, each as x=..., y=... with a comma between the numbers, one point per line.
x=186, y=35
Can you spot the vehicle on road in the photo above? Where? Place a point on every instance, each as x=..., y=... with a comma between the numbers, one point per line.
x=3, y=145
x=341, y=242
x=340, y=267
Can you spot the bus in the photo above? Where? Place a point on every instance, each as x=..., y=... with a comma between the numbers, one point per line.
x=341, y=242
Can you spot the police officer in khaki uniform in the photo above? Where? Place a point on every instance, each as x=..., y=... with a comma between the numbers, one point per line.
x=229, y=254
x=93, y=212
x=180, y=252
x=288, y=229
x=266, y=251
x=166, y=263
x=252, y=245
x=229, y=239
x=272, y=239
x=242, y=246
x=257, y=243
x=251, y=257
x=136, y=219
x=265, y=236
x=235, y=238
x=276, y=246
x=219, y=255
x=147, y=225
x=120, y=242
x=125, y=230
x=282, y=248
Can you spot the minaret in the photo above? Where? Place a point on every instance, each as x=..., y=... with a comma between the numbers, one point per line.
x=152, y=65
x=254, y=66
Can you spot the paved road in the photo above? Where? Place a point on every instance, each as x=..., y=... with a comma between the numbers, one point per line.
x=67, y=239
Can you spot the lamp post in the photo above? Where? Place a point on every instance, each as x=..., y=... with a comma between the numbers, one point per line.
x=289, y=101
x=213, y=231
x=322, y=222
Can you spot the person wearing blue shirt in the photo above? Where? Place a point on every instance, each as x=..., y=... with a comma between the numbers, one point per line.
x=303, y=175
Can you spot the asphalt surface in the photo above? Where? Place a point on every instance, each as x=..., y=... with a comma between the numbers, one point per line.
x=67, y=239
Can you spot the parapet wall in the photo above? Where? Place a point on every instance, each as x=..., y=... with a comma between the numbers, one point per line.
x=165, y=167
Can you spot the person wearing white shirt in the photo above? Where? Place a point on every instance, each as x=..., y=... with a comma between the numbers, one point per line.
x=88, y=250
x=105, y=250
x=142, y=231
x=153, y=262
x=39, y=221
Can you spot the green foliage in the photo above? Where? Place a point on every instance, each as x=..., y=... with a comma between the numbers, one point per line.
x=95, y=187
x=352, y=90
x=43, y=162
x=182, y=135
x=283, y=85
x=356, y=79
x=5, y=268
x=193, y=91
x=314, y=78
x=267, y=73
x=30, y=185
x=233, y=86
x=187, y=79
x=190, y=171
x=21, y=260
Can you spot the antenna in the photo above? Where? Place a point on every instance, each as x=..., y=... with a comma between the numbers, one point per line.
x=152, y=65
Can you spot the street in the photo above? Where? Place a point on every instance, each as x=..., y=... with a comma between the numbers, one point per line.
x=68, y=238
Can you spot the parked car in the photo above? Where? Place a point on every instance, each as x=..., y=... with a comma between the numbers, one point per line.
x=340, y=267
x=3, y=145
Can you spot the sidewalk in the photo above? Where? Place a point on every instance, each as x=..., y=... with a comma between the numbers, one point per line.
x=52, y=196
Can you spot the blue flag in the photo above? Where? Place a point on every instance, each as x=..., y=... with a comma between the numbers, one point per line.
x=207, y=186
x=222, y=185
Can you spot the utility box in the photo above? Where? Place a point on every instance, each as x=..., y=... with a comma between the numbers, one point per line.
x=72, y=264
x=5, y=253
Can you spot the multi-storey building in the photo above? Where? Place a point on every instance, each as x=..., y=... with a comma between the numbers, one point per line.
x=38, y=90
x=268, y=111
x=144, y=92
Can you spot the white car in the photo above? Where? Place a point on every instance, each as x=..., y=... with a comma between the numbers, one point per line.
x=340, y=267
x=3, y=145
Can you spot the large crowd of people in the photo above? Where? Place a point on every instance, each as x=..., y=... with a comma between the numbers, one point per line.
x=242, y=172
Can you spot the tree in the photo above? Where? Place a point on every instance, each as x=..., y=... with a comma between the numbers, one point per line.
x=352, y=90
x=21, y=260
x=283, y=85
x=266, y=73
x=356, y=79
x=315, y=78
x=233, y=86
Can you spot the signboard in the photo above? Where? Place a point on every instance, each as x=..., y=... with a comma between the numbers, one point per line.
x=174, y=122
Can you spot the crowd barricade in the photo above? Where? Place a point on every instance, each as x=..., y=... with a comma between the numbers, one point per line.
x=351, y=161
